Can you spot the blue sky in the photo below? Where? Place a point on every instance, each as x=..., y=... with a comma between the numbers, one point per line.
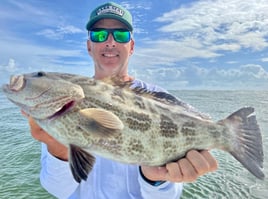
x=179, y=44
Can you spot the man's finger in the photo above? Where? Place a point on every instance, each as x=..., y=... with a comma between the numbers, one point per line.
x=198, y=161
x=173, y=172
x=213, y=164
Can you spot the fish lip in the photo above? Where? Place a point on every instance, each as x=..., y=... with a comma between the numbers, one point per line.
x=65, y=108
x=17, y=83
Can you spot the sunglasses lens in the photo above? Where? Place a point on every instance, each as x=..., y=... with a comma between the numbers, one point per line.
x=121, y=36
x=99, y=35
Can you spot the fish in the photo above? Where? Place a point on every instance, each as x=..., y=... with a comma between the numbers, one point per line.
x=116, y=120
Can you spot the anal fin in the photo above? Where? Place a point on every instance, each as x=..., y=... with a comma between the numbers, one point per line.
x=81, y=163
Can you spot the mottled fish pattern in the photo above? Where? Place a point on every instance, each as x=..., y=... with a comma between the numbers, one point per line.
x=115, y=120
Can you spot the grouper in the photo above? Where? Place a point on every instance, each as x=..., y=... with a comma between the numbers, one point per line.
x=116, y=120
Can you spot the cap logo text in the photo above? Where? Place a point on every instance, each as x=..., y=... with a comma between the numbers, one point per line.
x=110, y=9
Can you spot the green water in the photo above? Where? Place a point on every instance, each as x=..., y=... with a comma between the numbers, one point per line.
x=20, y=154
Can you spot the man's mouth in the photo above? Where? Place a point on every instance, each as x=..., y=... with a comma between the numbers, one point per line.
x=109, y=55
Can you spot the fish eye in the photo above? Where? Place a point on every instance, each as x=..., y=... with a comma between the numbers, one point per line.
x=39, y=74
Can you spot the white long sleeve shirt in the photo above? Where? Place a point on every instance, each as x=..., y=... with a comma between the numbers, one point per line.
x=107, y=180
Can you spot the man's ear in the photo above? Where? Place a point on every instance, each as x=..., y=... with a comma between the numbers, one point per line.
x=88, y=47
x=132, y=44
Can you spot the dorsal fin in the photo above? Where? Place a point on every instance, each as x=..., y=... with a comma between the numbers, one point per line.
x=122, y=82
x=128, y=84
x=169, y=99
x=157, y=95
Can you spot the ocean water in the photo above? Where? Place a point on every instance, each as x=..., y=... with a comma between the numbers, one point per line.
x=20, y=154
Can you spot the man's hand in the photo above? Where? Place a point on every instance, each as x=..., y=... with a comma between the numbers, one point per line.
x=187, y=169
x=54, y=147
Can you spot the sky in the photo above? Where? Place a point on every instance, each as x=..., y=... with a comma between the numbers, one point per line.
x=179, y=44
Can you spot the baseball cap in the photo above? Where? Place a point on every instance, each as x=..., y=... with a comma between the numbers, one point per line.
x=110, y=10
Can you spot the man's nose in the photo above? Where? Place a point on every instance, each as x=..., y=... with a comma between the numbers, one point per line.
x=110, y=41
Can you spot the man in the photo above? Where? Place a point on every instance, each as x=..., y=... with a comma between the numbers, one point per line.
x=110, y=45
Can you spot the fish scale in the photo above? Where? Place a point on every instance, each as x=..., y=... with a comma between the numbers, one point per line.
x=115, y=120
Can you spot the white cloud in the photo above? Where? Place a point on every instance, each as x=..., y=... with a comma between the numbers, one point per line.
x=265, y=59
x=254, y=71
x=138, y=10
x=59, y=32
x=10, y=67
x=23, y=28
x=7, y=69
x=168, y=52
x=14, y=68
x=32, y=53
x=228, y=25
x=37, y=16
x=29, y=57
x=250, y=76
x=253, y=40
x=208, y=30
x=199, y=31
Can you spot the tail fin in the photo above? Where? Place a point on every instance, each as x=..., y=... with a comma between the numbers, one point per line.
x=246, y=146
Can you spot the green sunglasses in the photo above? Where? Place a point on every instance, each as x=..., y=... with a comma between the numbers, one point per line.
x=99, y=35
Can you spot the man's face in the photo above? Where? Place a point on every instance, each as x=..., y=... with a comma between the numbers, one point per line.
x=110, y=57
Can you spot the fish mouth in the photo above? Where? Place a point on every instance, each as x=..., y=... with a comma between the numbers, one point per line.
x=68, y=106
x=17, y=83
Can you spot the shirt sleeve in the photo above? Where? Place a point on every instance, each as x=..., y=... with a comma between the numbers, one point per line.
x=163, y=191
x=55, y=175
x=146, y=86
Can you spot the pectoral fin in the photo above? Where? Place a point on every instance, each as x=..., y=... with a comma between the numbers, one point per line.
x=81, y=163
x=105, y=118
x=99, y=122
